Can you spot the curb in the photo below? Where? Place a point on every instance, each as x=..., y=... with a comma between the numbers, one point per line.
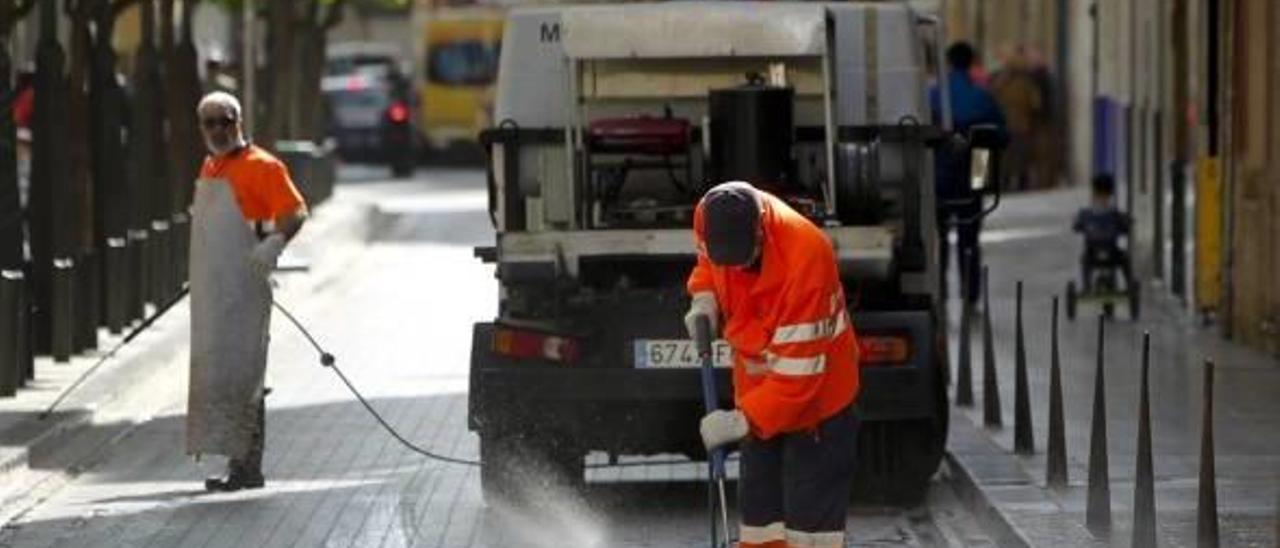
x=993, y=521
x=1007, y=502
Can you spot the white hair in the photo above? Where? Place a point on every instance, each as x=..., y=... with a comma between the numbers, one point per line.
x=227, y=101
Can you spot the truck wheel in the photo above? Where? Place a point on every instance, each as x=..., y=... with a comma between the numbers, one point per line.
x=1071, y=301
x=516, y=468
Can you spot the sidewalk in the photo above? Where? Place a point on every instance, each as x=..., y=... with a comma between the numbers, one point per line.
x=1028, y=239
x=38, y=455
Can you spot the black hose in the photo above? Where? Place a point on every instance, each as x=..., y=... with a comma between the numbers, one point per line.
x=186, y=288
x=328, y=360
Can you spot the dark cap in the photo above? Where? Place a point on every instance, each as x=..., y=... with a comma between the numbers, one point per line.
x=731, y=223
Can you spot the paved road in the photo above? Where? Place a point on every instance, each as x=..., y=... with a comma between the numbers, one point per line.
x=397, y=313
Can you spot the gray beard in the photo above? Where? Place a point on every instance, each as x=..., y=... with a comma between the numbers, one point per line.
x=221, y=150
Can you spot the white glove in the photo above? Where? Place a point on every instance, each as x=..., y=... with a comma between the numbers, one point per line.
x=263, y=258
x=703, y=304
x=722, y=427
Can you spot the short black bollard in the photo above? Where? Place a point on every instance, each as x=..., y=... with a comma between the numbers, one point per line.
x=1056, y=471
x=990, y=386
x=964, y=367
x=161, y=263
x=182, y=247
x=87, y=302
x=139, y=274
x=115, y=284
x=1207, y=513
x=1023, y=444
x=26, y=346
x=64, y=309
x=10, y=365
x=1144, y=491
x=1098, y=505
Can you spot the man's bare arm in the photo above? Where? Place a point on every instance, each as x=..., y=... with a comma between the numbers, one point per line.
x=289, y=224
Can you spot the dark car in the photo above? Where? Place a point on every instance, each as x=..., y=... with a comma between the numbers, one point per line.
x=371, y=109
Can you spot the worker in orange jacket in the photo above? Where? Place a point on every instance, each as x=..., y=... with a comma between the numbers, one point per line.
x=769, y=276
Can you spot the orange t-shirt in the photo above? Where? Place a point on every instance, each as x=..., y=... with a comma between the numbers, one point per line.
x=259, y=180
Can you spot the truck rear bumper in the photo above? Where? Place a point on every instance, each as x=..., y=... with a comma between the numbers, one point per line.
x=507, y=391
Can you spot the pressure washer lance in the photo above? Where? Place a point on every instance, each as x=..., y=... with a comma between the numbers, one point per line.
x=186, y=288
x=715, y=465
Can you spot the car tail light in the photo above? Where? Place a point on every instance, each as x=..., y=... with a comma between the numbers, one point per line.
x=398, y=113
x=357, y=82
x=521, y=344
x=880, y=350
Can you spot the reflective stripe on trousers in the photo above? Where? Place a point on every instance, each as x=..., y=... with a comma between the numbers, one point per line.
x=795, y=487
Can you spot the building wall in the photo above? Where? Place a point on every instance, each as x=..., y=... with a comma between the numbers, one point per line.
x=1253, y=156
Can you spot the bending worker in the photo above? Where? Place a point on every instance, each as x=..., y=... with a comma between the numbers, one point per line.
x=246, y=210
x=769, y=277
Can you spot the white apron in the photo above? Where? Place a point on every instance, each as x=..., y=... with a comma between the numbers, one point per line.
x=230, y=316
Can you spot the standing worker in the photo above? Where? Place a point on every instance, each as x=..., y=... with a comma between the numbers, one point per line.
x=246, y=210
x=959, y=204
x=769, y=277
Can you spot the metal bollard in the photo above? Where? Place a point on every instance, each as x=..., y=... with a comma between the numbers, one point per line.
x=139, y=274
x=1056, y=469
x=87, y=303
x=10, y=364
x=1098, y=505
x=115, y=284
x=990, y=386
x=26, y=346
x=182, y=248
x=1023, y=444
x=1144, y=491
x=63, y=313
x=964, y=367
x=1207, y=512
x=161, y=287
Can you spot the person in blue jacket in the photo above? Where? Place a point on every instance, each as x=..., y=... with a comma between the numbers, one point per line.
x=958, y=204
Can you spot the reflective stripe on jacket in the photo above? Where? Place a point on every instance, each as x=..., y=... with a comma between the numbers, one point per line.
x=794, y=347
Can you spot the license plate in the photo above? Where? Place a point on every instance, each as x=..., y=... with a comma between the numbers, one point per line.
x=677, y=353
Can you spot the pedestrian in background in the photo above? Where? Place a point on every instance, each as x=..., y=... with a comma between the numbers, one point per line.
x=959, y=205
x=246, y=210
x=1021, y=100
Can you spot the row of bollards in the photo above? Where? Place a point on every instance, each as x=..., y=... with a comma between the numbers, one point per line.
x=1098, y=514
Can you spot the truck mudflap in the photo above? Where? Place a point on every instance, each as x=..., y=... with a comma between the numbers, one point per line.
x=505, y=389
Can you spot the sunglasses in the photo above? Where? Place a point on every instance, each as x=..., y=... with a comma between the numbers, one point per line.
x=213, y=123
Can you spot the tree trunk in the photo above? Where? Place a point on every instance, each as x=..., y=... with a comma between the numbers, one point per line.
x=308, y=122
x=279, y=74
x=78, y=156
x=185, y=141
x=106, y=106
x=10, y=204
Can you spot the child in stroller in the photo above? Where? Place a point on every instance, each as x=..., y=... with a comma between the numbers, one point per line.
x=1102, y=226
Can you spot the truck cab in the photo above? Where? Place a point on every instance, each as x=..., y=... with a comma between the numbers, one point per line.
x=610, y=123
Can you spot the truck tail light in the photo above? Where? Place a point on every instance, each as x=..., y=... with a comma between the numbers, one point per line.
x=881, y=350
x=532, y=345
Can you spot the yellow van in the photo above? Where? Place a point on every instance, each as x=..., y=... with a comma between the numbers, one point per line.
x=460, y=66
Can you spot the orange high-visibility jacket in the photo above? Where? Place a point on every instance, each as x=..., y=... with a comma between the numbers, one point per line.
x=795, y=353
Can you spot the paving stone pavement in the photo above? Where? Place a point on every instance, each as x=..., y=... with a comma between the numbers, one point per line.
x=397, y=314
x=1029, y=239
